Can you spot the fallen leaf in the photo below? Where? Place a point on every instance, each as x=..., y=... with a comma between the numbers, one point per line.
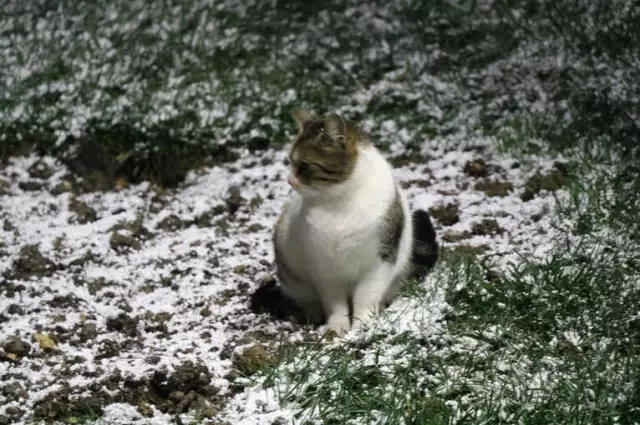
x=46, y=343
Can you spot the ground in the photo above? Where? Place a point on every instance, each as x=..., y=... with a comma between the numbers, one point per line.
x=143, y=168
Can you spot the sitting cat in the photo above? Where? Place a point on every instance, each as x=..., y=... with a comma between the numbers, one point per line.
x=346, y=237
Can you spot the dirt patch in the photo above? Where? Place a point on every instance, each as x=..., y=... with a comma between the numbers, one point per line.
x=40, y=170
x=5, y=187
x=494, y=187
x=253, y=359
x=408, y=158
x=122, y=243
x=14, y=347
x=486, y=227
x=62, y=187
x=447, y=215
x=31, y=262
x=234, y=200
x=206, y=219
x=451, y=236
x=550, y=181
x=31, y=185
x=476, y=168
x=172, y=222
x=124, y=324
x=83, y=212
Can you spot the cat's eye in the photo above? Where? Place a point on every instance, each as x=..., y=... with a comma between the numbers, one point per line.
x=303, y=167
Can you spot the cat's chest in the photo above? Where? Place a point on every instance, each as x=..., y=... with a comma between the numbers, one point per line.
x=332, y=233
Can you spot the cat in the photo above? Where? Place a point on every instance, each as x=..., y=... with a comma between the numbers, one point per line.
x=345, y=240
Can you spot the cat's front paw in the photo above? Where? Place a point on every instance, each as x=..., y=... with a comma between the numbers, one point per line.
x=337, y=324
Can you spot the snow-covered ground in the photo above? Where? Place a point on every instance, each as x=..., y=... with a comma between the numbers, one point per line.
x=138, y=299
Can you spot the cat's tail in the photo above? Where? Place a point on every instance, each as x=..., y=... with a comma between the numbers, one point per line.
x=425, y=244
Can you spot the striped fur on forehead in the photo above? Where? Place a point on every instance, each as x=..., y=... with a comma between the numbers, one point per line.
x=317, y=159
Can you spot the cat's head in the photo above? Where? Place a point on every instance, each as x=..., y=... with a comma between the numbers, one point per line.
x=323, y=154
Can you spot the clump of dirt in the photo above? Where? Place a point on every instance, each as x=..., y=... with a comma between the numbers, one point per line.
x=447, y=215
x=135, y=228
x=14, y=391
x=408, y=158
x=31, y=185
x=121, y=242
x=422, y=183
x=550, y=181
x=476, y=168
x=172, y=223
x=84, y=213
x=234, y=200
x=40, y=170
x=98, y=284
x=253, y=359
x=31, y=262
x=14, y=347
x=494, y=187
x=87, y=331
x=125, y=324
x=62, y=187
x=5, y=187
x=186, y=377
x=486, y=227
x=65, y=301
x=15, y=309
x=455, y=236
x=206, y=219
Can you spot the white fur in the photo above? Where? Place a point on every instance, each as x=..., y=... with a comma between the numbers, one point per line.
x=330, y=238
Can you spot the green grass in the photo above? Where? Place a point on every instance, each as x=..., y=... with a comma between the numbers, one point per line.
x=552, y=341
x=152, y=84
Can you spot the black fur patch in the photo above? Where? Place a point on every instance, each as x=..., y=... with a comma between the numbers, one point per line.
x=392, y=231
x=425, y=245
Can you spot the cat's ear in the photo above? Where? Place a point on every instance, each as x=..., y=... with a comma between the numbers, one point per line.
x=301, y=116
x=335, y=127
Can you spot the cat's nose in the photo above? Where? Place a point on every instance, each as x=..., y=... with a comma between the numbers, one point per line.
x=293, y=181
